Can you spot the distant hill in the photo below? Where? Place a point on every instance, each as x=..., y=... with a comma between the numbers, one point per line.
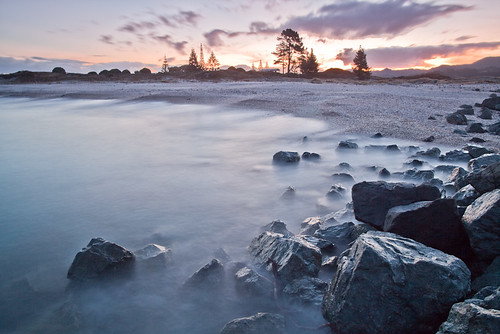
x=486, y=67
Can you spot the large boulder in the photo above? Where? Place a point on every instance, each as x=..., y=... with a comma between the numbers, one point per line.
x=480, y=314
x=154, y=254
x=277, y=226
x=250, y=283
x=482, y=223
x=466, y=195
x=342, y=235
x=475, y=128
x=286, y=157
x=294, y=257
x=493, y=102
x=455, y=156
x=490, y=277
x=259, y=323
x=307, y=290
x=100, y=258
x=494, y=128
x=311, y=225
x=372, y=200
x=390, y=284
x=485, y=179
x=457, y=177
x=483, y=161
x=210, y=275
x=456, y=118
x=434, y=223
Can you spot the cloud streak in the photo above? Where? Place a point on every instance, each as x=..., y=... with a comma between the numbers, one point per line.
x=361, y=19
x=215, y=37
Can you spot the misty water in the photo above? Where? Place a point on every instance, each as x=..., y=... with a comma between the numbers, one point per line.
x=191, y=178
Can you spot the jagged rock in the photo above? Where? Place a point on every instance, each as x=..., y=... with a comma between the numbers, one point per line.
x=480, y=315
x=341, y=216
x=429, y=139
x=477, y=140
x=391, y=284
x=343, y=177
x=456, y=156
x=289, y=193
x=483, y=161
x=434, y=223
x=494, y=128
x=311, y=225
x=466, y=195
x=372, y=148
x=418, y=175
x=329, y=262
x=446, y=169
x=100, y=258
x=336, y=192
x=384, y=173
x=457, y=177
x=286, y=157
x=490, y=277
x=372, y=200
x=482, y=224
x=343, y=166
x=277, y=226
x=221, y=255
x=295, y=257
x=377, y=135
x=457, y=119
x=476, y=151
x=392, y=148
x=342, y=235
x=475, y=128
x=414, y=163
x=347, y=145
x=461, y=132
x=434, y=153
x=485, y=113
x=485, y=179
x=154, y=254
x=259, y=323
x=310, y=156
x=308, y=290
x=250, y=283
x=492, y=102
x=210, y=275
x=322, y=244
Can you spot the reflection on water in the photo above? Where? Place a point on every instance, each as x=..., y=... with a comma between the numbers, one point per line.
x=191, y=178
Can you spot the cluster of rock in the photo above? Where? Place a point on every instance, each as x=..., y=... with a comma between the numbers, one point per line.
x=488, y=107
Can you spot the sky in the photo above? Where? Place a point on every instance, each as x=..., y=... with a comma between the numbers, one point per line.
x=92, y=35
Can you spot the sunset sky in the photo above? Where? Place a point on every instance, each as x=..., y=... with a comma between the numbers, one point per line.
x=92, y=35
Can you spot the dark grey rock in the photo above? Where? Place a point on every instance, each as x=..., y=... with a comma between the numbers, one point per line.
x=336, y=192
x=482, y=223
x=342, y=235
x=494, y=128
x=372, y=200
x=480, y=315
x=476, y=151
x=414, y=163
x=310, y=156
x=259, y=323
x=483, y=161
x=392, y=148
x=344, y=166
x=210, y=275
x=100, y=258
x=492, y=103
x=373, y=148
x=154, y=253
x=322, y=244
x=277, y=226
x=457, y=177
x=221, y=255
x=466, y=107
x=485, y=179
x=343, y=178
x=447, y=169
x=418, y=175
x=461, y=132
x=390, y=284
x=307, y=290
x=429, y=139
x=457, y=119
x=286, y=157
x=347, y=145
x=434, y=153
x=384, y=173
x=466, y=195
x=288, y=194
x=250, y=283
x=295, y=258
x=377, y=135
x=485, y=113
x=434, y=223
x=455, y=156
x=465, y=111
x=491, y=276
x=475, y=128
x=311, y=225
x=477, y=140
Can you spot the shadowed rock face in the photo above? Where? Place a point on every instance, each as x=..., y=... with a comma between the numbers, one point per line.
x=260, y=323
x=98, y=259
x=391, y=284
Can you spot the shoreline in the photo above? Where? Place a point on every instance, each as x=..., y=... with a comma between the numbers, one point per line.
x=400, y=110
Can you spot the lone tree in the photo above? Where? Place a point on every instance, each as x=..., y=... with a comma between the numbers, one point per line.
x=213, y=64
x=289, y=50
x=164, y=65
x=361, y=66
x=309, y=64
x=201, y=62
x=193, y=59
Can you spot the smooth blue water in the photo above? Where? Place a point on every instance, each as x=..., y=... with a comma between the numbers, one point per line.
x=192, y=178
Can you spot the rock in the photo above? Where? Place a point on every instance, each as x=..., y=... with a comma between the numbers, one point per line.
x=481, y=314
x=343, y=178
x=329, y=262
x=210, y=275
x=483, y=161
x=286, y=157
x=434, y=153
x=477, y=140
x=342, y=235
x=310, y=156
x=457, y=119
x=447, y=169
x=322, y=244
x=485, y=113
x=372, y=200
x=346, y=144
x=475, y=128
x=277, y=226
x=311, y=225
x=250, y=283
x=288, y=194
x=384, y=173
x=485, y=179
x=154, y=253
x=433, y=223
x=377, y=135
x=418, y=175
x=482, y=224
x=466, y=195
x=458, y=177
x=221, y=255
x=461, y=132
x=100, y=258
x=494, y=128
x=308, y=290
x=455, y=155
x=476, y=151
x=295, y=258
x=466, y=107
x=492, y=103
x=391, y=284
x=465, y=111
x=414, y=163
x=374, y=148
x=429, y=139
x=344, y=166
x=392, y=148
x=491, y=276
x=259, y=323
x=336, y=192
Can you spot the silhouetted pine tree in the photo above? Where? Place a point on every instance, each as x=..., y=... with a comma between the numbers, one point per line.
x=201, y=63
x=213, y=64
x=193, y=59
x=361, y=66
x=309, y=64
x=289, y=50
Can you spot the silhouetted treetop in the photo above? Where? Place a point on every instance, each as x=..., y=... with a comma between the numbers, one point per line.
x=289, y=50
x=361, y=65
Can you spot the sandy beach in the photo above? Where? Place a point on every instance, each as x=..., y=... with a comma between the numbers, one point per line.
x=400, y=110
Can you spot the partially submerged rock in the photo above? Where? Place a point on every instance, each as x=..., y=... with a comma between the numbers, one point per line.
x=277, y=226
x=483, y=161
x=154, y=254
x=210, y=275
x=286, y=157
x=391, y=284
x=250, y=283
x=100, y=258
x=260, y=323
